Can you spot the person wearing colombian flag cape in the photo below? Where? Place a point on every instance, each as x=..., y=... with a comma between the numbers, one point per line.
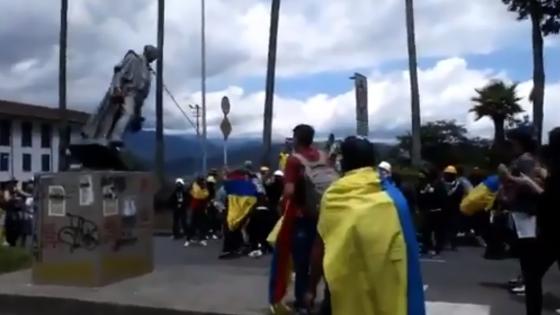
x=367, y=251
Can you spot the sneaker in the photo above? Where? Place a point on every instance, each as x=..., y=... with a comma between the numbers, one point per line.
x=203, y=243
x=520, y=290
x=214, y=236
x=187, y=244
x=256, y=253
x=280, y=309
x=515, y=282
x=557, y=311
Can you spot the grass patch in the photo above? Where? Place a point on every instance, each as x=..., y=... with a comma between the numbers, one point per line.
x=14, y=259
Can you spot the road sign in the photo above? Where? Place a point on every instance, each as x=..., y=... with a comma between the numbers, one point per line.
x=225, y=126
x=360, y=82
x=225, y=105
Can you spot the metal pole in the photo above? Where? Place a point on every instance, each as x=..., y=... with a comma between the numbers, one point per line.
x=63, y=131
x=270, y=74
x=225, y=153
x=203, y=82
x=160, y=159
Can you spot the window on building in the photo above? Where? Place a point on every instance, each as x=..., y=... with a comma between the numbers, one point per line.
x=4, y=162
x=46, y=163
x=5, y=132
x=26, y=162
x=26, y=134
x=46, y=136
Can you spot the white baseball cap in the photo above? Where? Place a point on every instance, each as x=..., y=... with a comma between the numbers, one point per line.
x=385, y=166
x=279, y=173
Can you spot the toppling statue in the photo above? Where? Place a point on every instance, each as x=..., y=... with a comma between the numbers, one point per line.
x=120, y=110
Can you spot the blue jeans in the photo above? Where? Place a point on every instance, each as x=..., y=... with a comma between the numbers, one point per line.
x=305, y=231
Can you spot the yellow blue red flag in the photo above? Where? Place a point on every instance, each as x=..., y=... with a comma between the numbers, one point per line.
x=481, y=197
x=371, y=262
x=241, y=198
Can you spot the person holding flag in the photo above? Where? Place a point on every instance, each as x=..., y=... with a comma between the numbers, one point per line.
x=366, y=250
x=307, y=175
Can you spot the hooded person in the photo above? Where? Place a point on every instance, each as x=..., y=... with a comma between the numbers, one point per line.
x=367, y=250
x=455, y=192
x=179, y=203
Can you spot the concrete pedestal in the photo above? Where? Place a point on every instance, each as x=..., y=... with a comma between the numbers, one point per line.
x=94, y=227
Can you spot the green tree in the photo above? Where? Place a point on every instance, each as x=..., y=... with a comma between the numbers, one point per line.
x=440, y=140
x=499, y=102
x=545, y=20
x=445, y=142
x=416, y=148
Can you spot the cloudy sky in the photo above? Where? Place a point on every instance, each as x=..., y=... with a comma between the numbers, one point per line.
x=461, y=45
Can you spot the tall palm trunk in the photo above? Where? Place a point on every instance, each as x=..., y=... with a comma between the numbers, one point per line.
x=416, y=154
x=64, y=134
x=270, y=75
x=159, y=95
x=499, y=132
x=538, y=70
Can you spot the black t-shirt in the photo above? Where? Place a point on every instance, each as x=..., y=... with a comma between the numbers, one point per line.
x=548, y=215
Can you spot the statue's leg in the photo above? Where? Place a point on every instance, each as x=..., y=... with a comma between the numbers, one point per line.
x=91, y=129
x=104, y=129
x=126, y=114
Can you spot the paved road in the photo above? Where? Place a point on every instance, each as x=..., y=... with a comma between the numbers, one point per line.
x=460, y=283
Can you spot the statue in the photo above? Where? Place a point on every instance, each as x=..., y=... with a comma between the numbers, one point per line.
x=121, y=108
x=119, y=111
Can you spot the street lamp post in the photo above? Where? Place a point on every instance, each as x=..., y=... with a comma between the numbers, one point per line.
x=203, y=82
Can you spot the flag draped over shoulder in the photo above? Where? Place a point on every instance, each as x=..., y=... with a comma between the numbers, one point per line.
x=281, y=264
x=481, y=197
x=371, y=262
x=241, y=198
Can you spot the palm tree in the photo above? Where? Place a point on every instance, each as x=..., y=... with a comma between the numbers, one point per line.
x=545, y=20
x=416, y=154
x=159, y=94
x=499, y=102
x=64, y=136
x=270, y=75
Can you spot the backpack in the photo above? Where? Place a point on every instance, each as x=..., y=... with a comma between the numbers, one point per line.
x=318, y=176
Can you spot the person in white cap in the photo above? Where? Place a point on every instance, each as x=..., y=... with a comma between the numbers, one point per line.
x=385, y=171
x=179, y=203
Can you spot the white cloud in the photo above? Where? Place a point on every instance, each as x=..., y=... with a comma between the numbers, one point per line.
x=314, y=36
x=445, y=91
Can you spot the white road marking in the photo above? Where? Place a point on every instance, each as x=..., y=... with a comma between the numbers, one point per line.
x=433, y=260
x=444, y=308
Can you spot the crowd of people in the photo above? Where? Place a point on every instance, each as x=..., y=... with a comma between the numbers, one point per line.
x=334, y=215
x=17, y=212
x=200, y=209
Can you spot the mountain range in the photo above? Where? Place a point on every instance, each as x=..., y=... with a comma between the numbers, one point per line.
x=183, y=152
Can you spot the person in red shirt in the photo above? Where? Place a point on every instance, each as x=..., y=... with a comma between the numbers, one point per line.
x=303, y=225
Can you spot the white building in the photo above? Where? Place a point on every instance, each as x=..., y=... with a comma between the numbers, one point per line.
x=29, y=139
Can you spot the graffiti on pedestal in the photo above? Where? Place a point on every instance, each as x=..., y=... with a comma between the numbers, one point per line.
x=79, y=233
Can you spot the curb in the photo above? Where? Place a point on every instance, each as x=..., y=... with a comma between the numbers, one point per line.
x=31, y=305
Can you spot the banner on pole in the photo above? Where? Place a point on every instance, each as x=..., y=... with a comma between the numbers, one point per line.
x=362, y=115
